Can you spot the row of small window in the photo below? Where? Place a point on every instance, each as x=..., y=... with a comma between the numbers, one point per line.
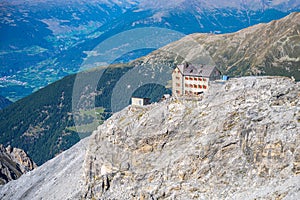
x=192, y=78
x=195, y=79
x=193, y=86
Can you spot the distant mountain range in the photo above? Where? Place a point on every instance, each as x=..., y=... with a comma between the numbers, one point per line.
x=264, y=49
x=43, y=123
x=44, y=41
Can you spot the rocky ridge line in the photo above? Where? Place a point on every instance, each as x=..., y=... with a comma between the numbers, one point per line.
x=264, y=49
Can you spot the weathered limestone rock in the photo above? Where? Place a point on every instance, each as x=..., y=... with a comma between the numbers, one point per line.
x=241, y=136
x=241, y=141
x=13, y=163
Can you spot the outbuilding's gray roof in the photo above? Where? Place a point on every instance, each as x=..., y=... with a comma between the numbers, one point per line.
x=196, y=70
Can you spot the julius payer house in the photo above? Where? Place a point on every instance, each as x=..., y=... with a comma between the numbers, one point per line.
x=193, y=80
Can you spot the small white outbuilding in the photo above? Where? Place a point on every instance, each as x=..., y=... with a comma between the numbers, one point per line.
x=137, y=101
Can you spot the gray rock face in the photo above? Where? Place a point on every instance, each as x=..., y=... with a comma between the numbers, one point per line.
x=59, y=178
x=239, y=141
x=13, y=163
x=241, y=137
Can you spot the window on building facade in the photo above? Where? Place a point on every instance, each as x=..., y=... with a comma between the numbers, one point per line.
x=204, y=86
x=186, y=78
x=177, y=84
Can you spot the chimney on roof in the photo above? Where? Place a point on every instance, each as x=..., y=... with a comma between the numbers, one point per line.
x=185, y=65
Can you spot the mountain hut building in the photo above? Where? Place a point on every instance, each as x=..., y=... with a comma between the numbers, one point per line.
x=193, y=80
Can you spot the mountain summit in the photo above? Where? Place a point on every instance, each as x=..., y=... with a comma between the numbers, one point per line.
x=239, y=141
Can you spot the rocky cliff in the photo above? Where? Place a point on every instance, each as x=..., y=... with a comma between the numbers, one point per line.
x=13, y=163
x=239, y=141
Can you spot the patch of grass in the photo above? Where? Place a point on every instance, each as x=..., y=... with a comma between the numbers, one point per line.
x=89, y=120
x=86, y=128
